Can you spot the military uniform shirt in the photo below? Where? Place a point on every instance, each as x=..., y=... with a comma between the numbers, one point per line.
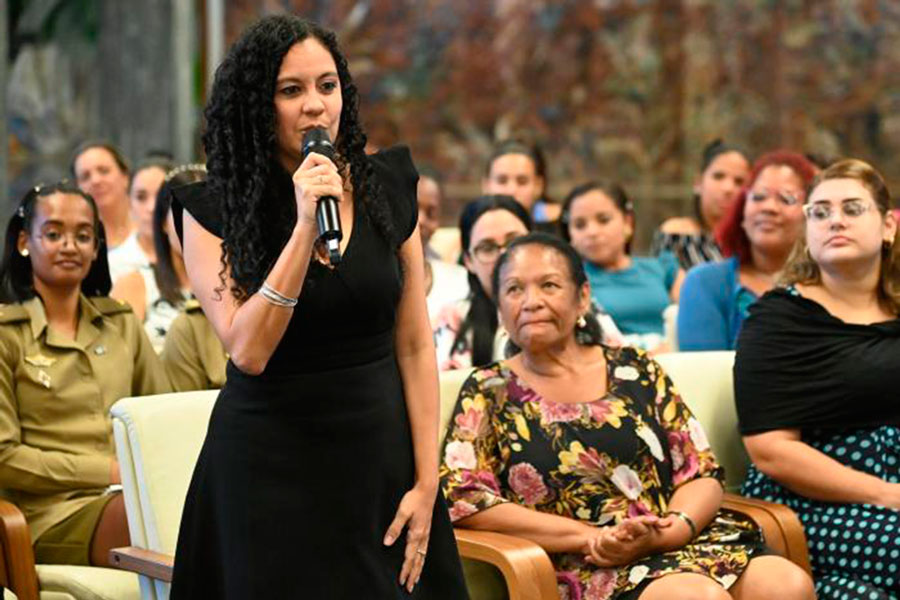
x=56, y=442
x=192, y=355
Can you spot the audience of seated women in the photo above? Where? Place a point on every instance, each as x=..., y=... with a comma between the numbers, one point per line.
x=158, y=291
x=723, y=172
x=467, y=332
x=67, y=353
x=589, y=452
x=598, y=219
x=757, y=236
x=815, y=385
x=100, y=169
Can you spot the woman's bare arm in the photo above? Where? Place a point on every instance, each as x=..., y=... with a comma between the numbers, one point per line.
x=251, y=331
x=416, y=358
x=553, y=533
x=793, y=463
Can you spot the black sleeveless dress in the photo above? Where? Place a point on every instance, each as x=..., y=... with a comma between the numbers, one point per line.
x=303, y=466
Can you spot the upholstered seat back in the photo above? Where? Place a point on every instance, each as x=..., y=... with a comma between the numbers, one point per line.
x=705, y=382
x=158, y=440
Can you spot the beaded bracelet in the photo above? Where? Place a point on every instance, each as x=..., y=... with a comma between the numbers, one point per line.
x=686, y=519
x=275, y=297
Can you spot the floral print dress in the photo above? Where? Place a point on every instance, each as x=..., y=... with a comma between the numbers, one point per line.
x=600, y=462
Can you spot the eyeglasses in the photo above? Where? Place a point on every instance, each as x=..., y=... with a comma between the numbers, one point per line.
x=52, y=238
x=787, y=197
x=820, y=212
x=488, y=251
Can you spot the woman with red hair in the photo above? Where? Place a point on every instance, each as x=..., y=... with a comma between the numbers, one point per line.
x=757, y=236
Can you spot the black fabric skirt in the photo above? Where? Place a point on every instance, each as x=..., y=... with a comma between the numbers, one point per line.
x=298, y=479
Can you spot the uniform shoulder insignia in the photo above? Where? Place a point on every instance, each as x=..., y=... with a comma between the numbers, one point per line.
x=110, y=306
x=12, y=313
x=192, y=305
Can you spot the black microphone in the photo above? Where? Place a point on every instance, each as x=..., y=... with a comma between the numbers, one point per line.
x=328, y=217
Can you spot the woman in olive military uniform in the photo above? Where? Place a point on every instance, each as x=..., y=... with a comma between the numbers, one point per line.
x=67, y=353
x=193, y=355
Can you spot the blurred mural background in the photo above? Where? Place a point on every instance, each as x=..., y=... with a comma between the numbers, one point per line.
x=627, y=89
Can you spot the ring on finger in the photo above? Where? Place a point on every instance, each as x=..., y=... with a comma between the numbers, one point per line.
x=420, y=551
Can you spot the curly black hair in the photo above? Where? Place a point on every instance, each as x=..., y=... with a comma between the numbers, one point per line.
x=255, y=190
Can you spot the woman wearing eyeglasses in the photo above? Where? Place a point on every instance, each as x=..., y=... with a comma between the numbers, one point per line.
x=756, y=235
x=467, y=332
x=816, y=385
x=67, y=353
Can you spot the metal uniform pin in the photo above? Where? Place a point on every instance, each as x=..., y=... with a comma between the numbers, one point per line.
x=44, y=379
x=39, y=360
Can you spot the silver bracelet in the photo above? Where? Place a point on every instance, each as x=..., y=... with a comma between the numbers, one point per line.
x=684, y=517
x=272, y=296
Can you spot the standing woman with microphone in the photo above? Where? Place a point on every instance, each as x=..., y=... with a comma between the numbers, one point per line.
x=318, y=475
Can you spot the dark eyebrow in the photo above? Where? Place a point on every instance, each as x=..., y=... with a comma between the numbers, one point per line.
x=58, y=223
x=298, y=80
x=827, y=201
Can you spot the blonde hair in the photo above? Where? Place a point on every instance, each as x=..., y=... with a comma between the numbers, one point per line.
x=800, y=266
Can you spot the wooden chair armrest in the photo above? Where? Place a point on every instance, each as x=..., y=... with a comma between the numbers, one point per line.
x=17, y=561
x=525, y=566
x=155, y=565
x=781, y=527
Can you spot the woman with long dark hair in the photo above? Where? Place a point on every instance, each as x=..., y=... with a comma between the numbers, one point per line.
x=158, y=291
x=466, y=330
x=318, y=475
x=724, y=169
x=67, y=353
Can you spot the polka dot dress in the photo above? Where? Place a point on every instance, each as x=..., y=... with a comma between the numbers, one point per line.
x=854, y=548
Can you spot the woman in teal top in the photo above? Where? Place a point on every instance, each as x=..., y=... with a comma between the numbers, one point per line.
x=598, y=220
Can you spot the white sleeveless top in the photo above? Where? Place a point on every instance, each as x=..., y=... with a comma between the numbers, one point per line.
x=160, y=313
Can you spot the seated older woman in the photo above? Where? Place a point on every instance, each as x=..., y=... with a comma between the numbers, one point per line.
x=588, y=451
x=816, y=386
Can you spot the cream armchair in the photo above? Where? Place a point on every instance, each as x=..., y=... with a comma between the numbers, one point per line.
x=158, y=439
x=25, y=580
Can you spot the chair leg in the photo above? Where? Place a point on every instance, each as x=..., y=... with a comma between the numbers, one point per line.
x=16, y=554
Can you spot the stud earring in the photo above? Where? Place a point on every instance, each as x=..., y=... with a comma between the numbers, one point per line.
x=24, y=252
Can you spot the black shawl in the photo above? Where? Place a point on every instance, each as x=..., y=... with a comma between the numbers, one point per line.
x=798, y=367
